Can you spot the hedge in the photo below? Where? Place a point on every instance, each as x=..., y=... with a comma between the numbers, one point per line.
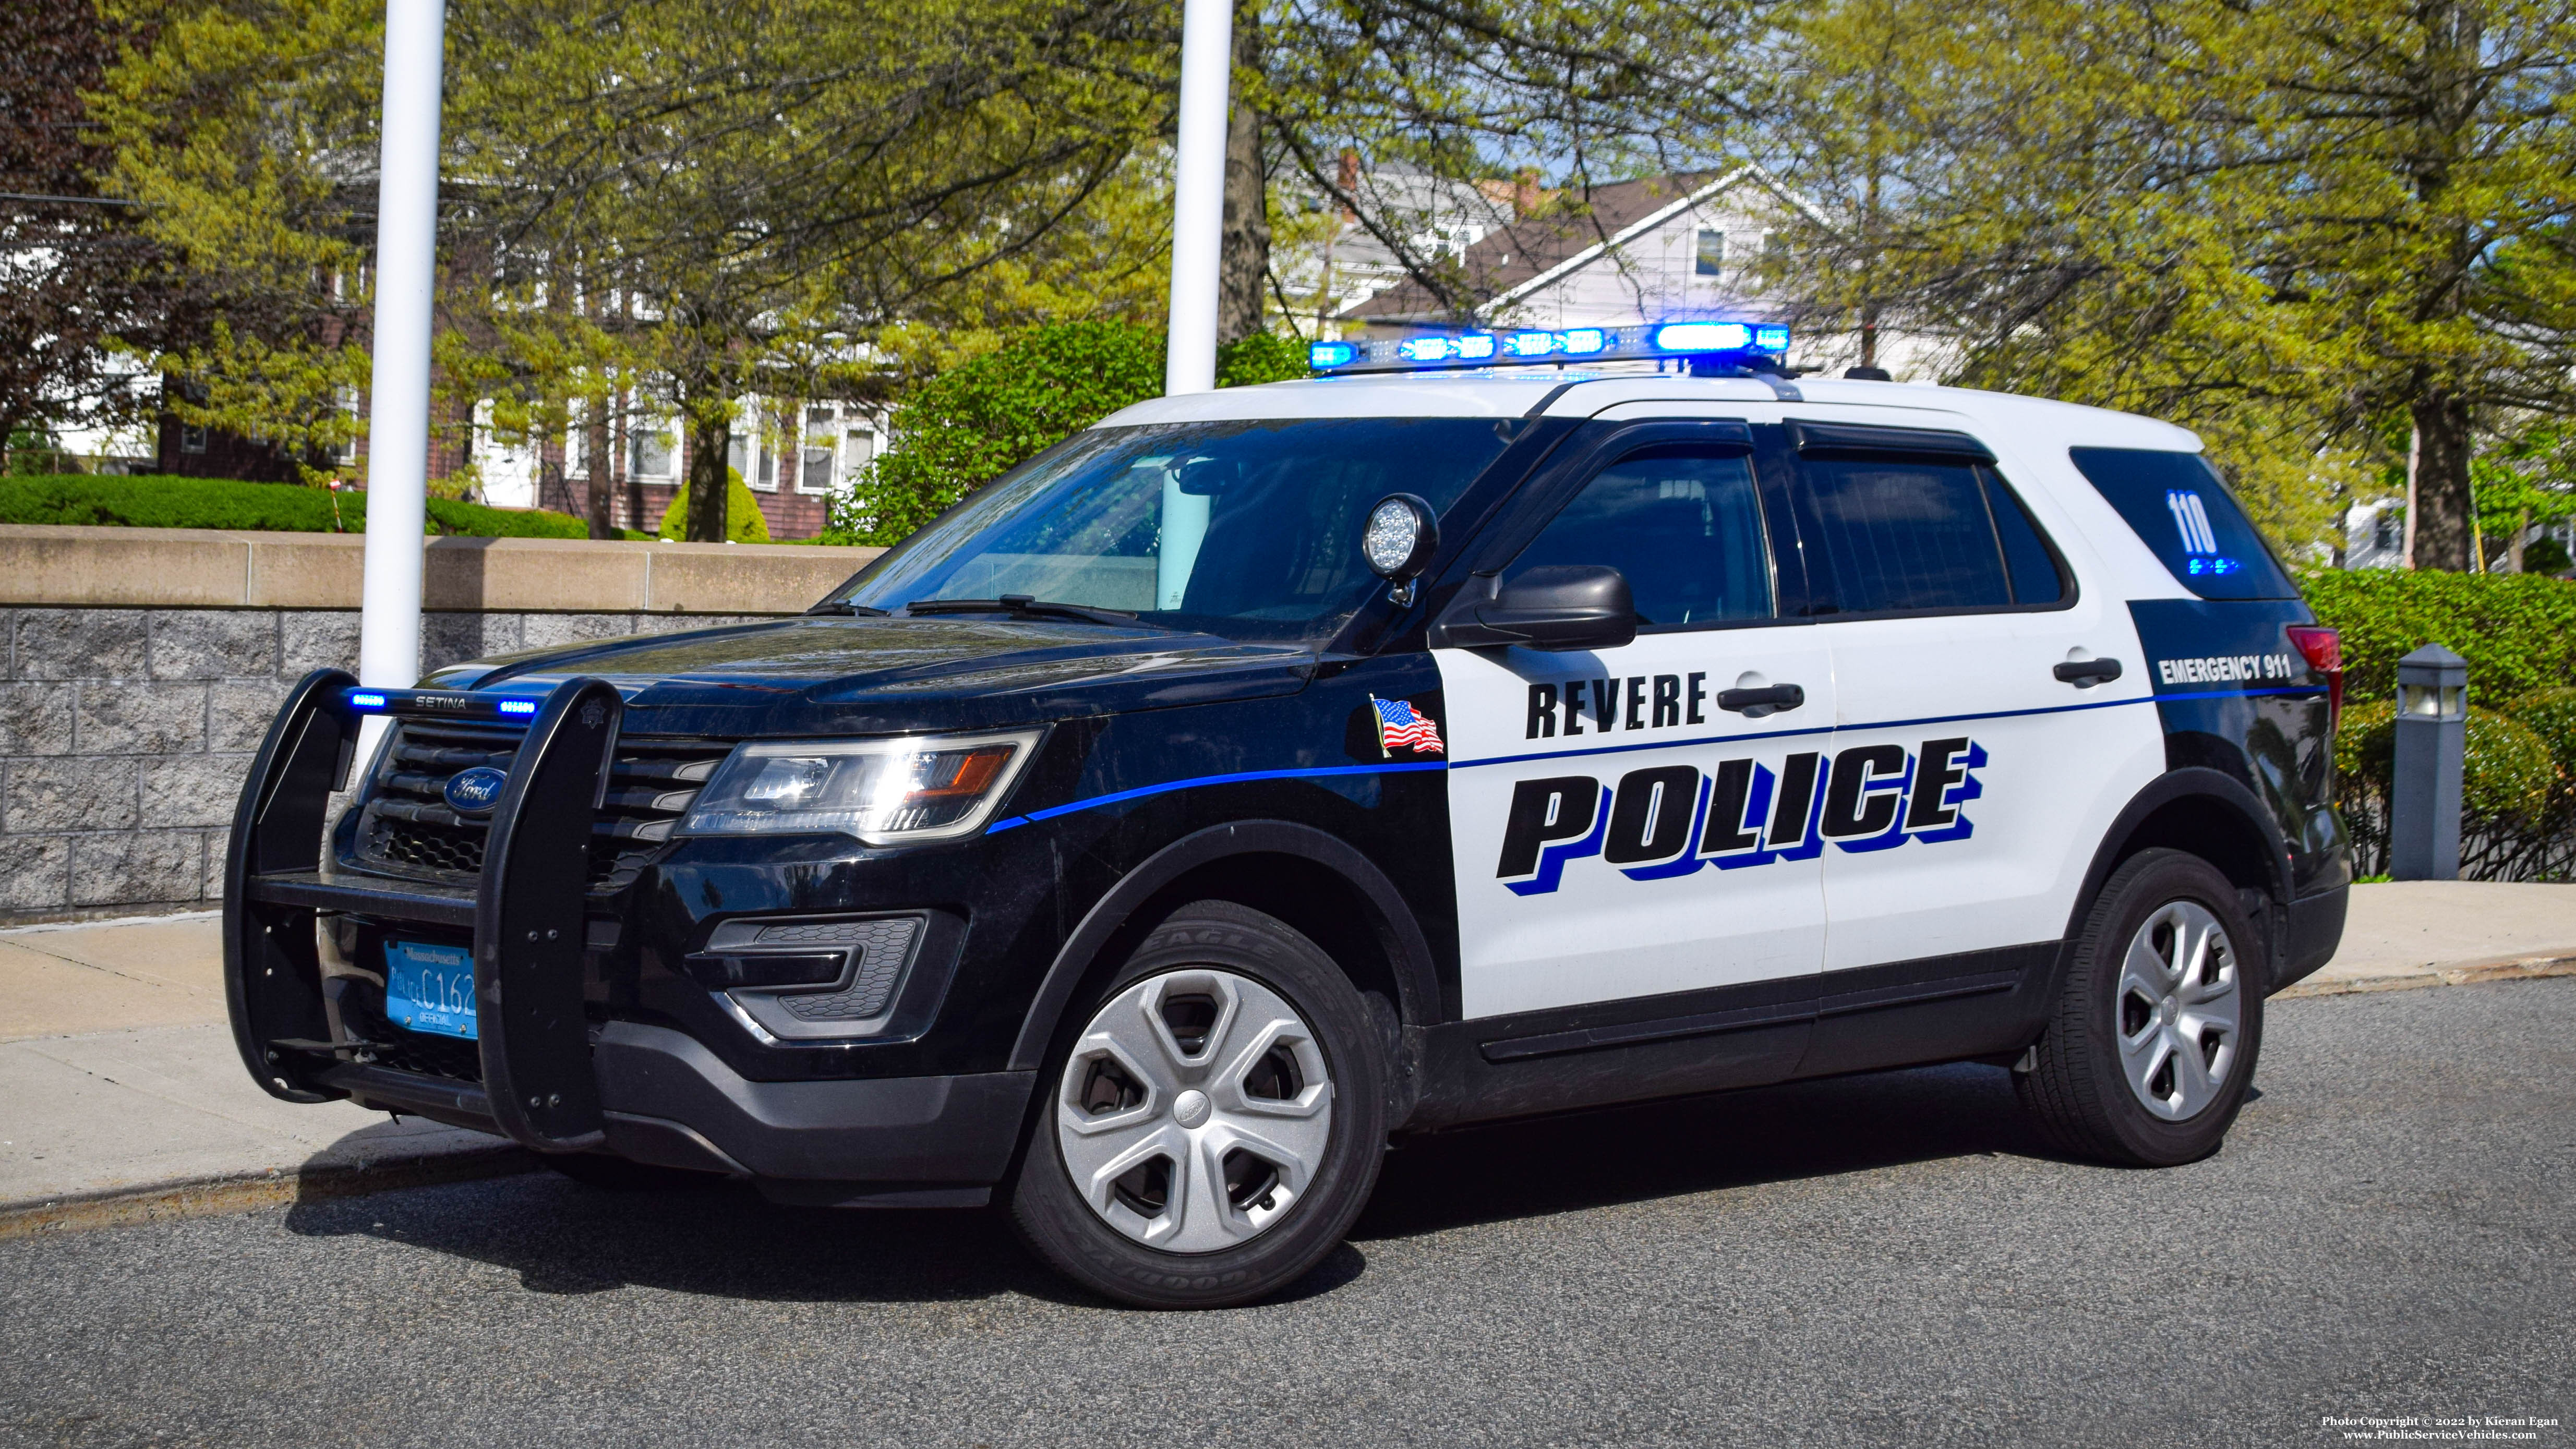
x=2518, y=631
x=2506, y=773
x=743, y=522
x=156, y=502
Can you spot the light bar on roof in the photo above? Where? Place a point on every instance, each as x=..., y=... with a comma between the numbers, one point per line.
x=1746, y=344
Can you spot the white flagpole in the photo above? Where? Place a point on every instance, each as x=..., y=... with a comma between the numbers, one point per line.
x=1198, y=194
x=398, y=400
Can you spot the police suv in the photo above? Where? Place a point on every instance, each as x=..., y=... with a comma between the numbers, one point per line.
x=1262, y=773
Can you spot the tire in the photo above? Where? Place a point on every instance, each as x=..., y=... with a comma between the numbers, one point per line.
x=2148, y=1059
x=1146, y=1189
x=618, y=1174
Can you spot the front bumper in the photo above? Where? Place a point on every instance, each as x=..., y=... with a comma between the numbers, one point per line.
x=667, y=1100
x=541, y=1069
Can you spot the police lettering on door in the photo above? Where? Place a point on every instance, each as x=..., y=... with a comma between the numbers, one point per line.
x=1666, y=821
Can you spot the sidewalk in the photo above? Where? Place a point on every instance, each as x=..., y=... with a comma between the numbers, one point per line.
x=122, y=1097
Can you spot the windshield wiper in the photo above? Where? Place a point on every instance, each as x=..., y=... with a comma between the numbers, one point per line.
x=1022, y=606
x=847, y=609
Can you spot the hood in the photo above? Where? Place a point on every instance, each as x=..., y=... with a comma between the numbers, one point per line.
x=830, y=675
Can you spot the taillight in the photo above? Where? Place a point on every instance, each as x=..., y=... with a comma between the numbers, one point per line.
x=2323, y=648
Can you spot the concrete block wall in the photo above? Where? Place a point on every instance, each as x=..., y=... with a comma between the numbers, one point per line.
x=126, y=726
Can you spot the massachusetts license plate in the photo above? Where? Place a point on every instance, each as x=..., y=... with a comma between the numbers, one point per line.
x=430, y=988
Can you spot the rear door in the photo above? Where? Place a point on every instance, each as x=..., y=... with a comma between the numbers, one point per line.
x=1621, y=834
x=1969, y=783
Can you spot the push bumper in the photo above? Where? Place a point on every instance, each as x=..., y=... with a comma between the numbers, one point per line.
x=665, y=1099
x=549, y=1078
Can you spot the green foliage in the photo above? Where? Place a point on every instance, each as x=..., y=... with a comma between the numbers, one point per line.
x=146, y=502
x=2551, y=714
x=743, y=523
x=2506, y=773
x=977, y=421
x=1262, y=357
x=2518, y=631
x=2546, y=556
x=2298, y=227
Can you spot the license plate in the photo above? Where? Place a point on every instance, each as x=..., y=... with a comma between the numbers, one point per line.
x=430, y=988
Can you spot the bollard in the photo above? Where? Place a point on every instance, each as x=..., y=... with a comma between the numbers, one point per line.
x=2432, y=743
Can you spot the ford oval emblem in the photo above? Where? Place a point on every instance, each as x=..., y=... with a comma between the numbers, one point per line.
x=475, y=791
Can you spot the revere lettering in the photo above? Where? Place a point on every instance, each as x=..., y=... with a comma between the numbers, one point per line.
x=1542, y=712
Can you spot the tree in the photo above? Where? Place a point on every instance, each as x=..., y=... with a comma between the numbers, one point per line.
x=975, y=422
x=76, y=273
x=696, y=200
x=2283, y=225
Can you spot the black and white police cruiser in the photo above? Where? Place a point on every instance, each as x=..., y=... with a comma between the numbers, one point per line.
x=1262, y=774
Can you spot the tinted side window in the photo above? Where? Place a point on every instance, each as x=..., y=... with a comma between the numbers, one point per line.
x=2031, y=567
x=2177, y=505
x=1685, y=528
x=1900, y=535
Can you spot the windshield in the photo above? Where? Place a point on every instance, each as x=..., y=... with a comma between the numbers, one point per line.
x=1249, y=530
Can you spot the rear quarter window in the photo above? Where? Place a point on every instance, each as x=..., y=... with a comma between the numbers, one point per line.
x=2178, y=507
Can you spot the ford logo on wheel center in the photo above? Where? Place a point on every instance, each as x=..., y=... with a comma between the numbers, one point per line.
x=1267, y=774
x=475, y=791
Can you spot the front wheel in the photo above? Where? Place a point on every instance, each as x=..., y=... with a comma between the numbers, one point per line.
x=1216, y=1124
x=2152, y=1049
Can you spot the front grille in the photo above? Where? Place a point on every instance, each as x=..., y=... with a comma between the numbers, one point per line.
x=405, y=826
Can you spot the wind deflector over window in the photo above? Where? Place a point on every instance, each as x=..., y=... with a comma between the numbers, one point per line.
x=2177, y=505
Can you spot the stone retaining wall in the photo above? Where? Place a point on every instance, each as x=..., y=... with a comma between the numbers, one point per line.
x=142, y=667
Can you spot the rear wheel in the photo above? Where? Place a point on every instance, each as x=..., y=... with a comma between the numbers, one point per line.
x=1215, y=1124
x=2153, y=1046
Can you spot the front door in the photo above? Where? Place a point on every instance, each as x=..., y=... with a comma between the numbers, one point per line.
x=1638, y=822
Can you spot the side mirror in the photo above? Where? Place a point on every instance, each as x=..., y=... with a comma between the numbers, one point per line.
x=1557, y=607
x=1399, y=540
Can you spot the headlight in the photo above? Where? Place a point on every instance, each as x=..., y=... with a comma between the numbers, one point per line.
x=885, y=792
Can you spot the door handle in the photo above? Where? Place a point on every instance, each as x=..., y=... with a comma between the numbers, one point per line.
x=1777, y=697
x=2086, y=673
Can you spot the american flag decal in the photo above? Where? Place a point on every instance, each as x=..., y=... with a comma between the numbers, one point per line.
x=1399, y=724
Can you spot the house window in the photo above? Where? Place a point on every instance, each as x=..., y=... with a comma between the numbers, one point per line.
x=192, y=440
x=651, y=453
x=347, y=398
x=814, y=472
x=1712, y=252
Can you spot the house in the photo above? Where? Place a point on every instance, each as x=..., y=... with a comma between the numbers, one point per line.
x=1676, y=246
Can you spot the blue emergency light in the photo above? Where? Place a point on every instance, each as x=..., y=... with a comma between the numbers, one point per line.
x=1749, y=345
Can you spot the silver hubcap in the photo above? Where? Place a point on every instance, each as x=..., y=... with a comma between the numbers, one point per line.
x=1195, y=1111
x=2179, y=1007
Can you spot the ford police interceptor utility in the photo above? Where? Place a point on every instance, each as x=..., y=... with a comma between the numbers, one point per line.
x=1262, y=773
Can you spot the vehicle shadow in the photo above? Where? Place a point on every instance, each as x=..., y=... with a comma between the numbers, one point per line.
x=1695, y=1144
x=724, y=1239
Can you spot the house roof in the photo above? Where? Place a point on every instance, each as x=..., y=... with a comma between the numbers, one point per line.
x=1516, y=260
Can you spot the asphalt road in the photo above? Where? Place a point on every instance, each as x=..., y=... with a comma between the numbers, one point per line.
x=1878, y=1260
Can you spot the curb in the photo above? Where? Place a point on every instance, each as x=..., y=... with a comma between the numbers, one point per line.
x=249, y=1192
x=2522, y=968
